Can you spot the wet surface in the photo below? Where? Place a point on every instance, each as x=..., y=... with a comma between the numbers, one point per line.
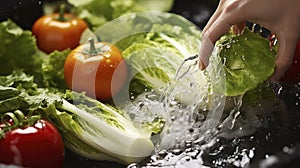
x=276, y=145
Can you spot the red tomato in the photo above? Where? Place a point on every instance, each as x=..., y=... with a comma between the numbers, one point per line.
x=55, y=33
x=98, y=69
x=34, y=146
x=293, y=73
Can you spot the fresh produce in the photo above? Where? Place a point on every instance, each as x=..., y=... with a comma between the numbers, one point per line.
x=247, y=61
x=154, y=57
x=18, y=50
x=88, y=127
x=24, y=140
x=58, y=31
x=111, y=9
x=47, y=69
x=92, y=128
x=96, y=68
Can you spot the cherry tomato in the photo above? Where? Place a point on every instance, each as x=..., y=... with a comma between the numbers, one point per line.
x=96, y=68
x=36, y=146
x=58, y=31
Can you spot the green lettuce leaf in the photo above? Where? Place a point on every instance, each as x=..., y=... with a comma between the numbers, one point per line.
x=52, y=69
x=89, y=127
x=18, y=49
x=247, y=61
x=155, y=54
x=96, y=12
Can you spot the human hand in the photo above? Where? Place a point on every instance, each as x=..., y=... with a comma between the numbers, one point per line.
x=280, y=17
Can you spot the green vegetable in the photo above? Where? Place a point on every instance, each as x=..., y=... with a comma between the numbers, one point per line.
x=18, y=50
x=89, y=127
x=96, y=12
x=247, y=61
x=8, y=92
x=155, y=50
x=53, y=69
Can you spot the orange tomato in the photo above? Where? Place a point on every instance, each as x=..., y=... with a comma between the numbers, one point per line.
x=96, y=68
x=58, y=31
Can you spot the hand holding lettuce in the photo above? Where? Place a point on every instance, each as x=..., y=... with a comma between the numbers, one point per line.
x=246, y=59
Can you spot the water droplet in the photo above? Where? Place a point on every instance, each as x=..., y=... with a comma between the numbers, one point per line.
x=287, y=150
x=173, y=118
x=243, y=57
x=188, y=144
x=191, y=130
x=133, y=165
x=253, y=27
x=192, y=84
x=176, y=151
x=162, y=153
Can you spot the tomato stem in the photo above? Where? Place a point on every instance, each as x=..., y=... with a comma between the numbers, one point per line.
x=61, y=16
x=16, y=120
x=93, y=50
x=7, y=124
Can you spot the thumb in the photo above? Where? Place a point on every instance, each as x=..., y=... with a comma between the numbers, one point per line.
x=285, y=56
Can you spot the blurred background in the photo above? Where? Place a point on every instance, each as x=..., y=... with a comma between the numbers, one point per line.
x=25, y=12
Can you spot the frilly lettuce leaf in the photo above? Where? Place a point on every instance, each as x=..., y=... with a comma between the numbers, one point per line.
x=96, y=12
x=17, y=49
x=53, y=69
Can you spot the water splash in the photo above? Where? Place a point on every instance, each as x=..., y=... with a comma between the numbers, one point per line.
x=196, y=116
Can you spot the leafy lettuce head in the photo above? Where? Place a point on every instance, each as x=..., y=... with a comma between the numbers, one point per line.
x=247, y=61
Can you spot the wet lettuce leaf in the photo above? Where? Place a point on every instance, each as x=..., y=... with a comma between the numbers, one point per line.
x=247, y=61
x=155, y=54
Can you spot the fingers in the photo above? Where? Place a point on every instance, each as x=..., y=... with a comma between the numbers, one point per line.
x=207, y=45
x=213, y=18
x=210, y=36
x=205, y=52
x=284, y=57
x=226, y=15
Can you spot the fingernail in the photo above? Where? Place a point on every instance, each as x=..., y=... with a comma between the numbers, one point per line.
x=201, y=65
x=205, y=52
